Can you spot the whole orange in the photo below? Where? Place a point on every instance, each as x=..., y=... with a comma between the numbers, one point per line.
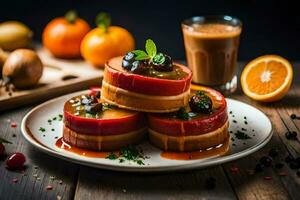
x=105, y=42
x=62, y=36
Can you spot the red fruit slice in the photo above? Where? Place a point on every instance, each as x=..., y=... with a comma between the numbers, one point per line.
x=115, y=75
x=113, y=121
x=165, y=124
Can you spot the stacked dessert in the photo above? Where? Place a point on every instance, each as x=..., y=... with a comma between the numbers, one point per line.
x=90, y=123
x=179, y=119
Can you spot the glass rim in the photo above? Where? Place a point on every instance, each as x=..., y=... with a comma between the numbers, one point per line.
x=210, y=18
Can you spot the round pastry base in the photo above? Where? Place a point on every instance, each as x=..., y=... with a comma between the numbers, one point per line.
x=102, y=143
x=141, y=102
x=189, y=143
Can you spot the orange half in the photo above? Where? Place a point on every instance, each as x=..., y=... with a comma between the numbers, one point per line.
x=267, y=78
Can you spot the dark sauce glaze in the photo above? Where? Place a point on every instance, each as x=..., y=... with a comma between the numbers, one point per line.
x=219, y=150
x=176, y=74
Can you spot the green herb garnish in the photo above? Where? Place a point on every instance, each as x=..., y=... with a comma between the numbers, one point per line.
x=151, y=53
x=159, y=59
x=241, y=135
x=112, y=156
x=106, y=106
x=42, y=129
x=150, y=48
x=60, y=117
x=182, y=114
x=89, y=115
x=129, y=153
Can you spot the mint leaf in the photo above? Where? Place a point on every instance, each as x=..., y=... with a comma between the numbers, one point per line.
x=2, y=140
x=140, y=55
x=150, y=48
x=182, y=114
x=159, y=59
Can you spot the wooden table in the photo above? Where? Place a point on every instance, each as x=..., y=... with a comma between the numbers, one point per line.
x=79, y=182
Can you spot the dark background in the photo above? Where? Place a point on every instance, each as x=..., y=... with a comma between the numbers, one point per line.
x=269, y=27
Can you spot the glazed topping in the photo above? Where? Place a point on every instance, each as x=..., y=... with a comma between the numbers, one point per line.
x=200, y=103
x=151, y=63
x=88, y=106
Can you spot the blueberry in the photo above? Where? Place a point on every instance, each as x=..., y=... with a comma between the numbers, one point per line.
x=98, y=94
x=259, y=167
x=165, y=66
x=129, y=56
x=294, y=165
x=266, y=161
x=139, y=67
x=93, y=108
x=289, y=158
x=297, y=160
x=210, y=183
x=126, y=64
x=273, y=152
x=298, y=172
x=89, y=100
x=127, y=61
x=291, y=135
x=200, y=103
x=279, y=165
x=293, y=116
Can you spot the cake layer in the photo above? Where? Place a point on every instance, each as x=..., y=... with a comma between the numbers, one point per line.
x=102, y=143
x=189, y=143
x=169, y=124
x=142, y=102
x=111, y=121
x=104, y=127
x=115, y=75
x=176, y=127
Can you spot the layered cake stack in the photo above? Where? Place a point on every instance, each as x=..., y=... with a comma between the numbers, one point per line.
x=145, y=94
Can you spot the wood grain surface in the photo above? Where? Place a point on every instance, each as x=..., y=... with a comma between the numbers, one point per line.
x=84, y=183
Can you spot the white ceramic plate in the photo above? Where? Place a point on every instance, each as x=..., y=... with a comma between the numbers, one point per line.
x=258, y=127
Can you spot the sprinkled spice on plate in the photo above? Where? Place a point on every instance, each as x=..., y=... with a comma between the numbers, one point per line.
x=242, y=135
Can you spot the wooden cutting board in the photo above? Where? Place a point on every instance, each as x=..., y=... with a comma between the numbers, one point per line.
x=59, y=77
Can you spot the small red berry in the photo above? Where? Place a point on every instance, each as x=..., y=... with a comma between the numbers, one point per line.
x=2, y=149
x=268, y=178
x=14, y=180
x=13, y=124
x=49, y=187
x=234, y=169
x=16, y=161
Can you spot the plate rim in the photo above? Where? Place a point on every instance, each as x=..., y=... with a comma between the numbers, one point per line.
x=180, y=167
